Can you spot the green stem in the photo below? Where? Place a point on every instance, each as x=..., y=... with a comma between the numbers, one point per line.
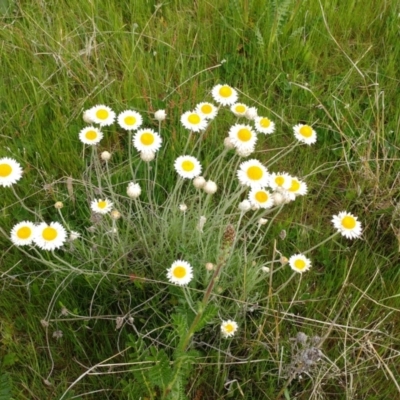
x=320, y=244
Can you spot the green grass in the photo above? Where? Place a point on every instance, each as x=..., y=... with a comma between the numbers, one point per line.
x=332, y=64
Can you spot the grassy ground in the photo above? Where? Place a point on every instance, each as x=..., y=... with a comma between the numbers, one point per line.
x=331, y=64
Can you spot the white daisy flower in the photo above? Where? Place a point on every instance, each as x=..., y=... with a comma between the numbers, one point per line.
x=239, y=109
x=133, y=190
x=10, y=171
x=50, y=237
x=101, y=206
x=299, y=263
x=102, y=115
x=228, y=328
x=252, y=173
x=23, y=233
x=261, y=198
x=180, y=273
x=90, y=135
x=194, y=121
x=305, y=134
x=224, y=94
x=347, y=224
x=243, y=137
x=160, y=115
x=264, y=125
x=130, y=120
x=207, y=110
x=187, y=167
x=297, y=188
x=147, y=140
x=279, y=181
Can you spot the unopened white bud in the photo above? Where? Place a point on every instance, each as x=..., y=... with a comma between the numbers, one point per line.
x=133, y=190
x=228, y=143
x=160, y=115
x=59, y=205
x=283, y=260
x=278, y=198
x=245, y=205
x=183, y=207
x=201, y=223
x=86, y=117
x=244, y=152
x=105, y=156
x=262, y=221
x=209, y=266
x=147, y=156
x=210, y=187
x=74, y=235
x=251, y=113
x=115, y=214
x=199, y=182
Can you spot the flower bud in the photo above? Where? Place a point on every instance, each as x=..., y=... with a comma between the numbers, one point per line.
x=210, y=187
x=133, y=190
x=160, y=115
x=59, y=205
x=105, y=156
x=199, y=182
x=147, y=156
x=115, y=214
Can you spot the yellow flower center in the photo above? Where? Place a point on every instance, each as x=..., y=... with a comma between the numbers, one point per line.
x=194, y=119
x=102, y=204
x=49, y=233
x=279, y=180
x=295, y=186
x=179, y=272
x=265, y=122
x=261, y=196
x=254, y=173
x=130, y=120
x=240, y=108
x=229, y=328
x=91, y=135
x=102, y=114
x=5, y=170
x=300, y=264
x=147, y=138
x=188, y=165
x=24, y=232
x=244, y=135
x=306, y=131
x=206, y=109
x=225, y=91
x=349, y=222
